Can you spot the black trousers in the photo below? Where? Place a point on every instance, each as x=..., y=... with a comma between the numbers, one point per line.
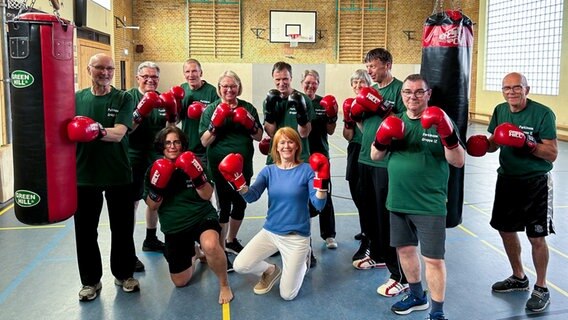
x=326, y=217
x=121, y=218
x=352, y=176
x=373, y=187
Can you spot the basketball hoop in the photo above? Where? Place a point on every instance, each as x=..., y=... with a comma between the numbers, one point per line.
x=294, y=40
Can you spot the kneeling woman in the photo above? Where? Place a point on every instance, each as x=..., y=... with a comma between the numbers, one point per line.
x=177, y=187
x=290, y=185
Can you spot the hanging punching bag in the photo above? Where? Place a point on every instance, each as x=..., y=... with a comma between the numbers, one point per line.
x=447, y=44
x=43, y=102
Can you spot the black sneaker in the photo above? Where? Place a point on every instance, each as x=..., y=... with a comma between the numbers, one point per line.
x=229, y=264
x=313, y=260
x=139, y=266
x=153, y=244
x=539, y=300
x=359, y=236
x=511, y=284
x=233, y=247
x=363, y=250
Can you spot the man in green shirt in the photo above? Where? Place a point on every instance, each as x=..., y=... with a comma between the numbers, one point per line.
x=287, y=107
x=196, y=90
x=373, y=181
x=525, y=132
x=103, y=168
x=420, y=145
x=141, y=148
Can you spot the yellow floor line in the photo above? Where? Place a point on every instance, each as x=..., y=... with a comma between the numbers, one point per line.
x=50, y=226
x=10, y=206
x=227, y=311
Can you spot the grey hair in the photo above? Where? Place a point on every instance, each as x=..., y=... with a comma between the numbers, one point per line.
x=148, y=64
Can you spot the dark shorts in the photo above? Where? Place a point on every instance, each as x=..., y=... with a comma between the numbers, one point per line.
x=180, y=247
x=409, y=229
x=523, y=204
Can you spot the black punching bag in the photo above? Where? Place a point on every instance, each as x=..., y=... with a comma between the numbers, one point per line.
x=43, y=102
x=447, y=45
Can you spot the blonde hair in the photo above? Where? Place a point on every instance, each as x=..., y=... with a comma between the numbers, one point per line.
x=291, y=134
x=232, y=75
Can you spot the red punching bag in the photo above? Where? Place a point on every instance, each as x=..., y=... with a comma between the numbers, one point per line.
x=43, y=102
x=447, y=45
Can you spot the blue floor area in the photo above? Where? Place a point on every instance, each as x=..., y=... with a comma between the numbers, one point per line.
x=39, y=277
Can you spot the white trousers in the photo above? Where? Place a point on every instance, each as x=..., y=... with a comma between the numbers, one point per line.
x=294, y=250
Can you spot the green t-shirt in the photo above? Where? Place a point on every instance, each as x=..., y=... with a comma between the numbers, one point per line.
x=318, y=135
x=101, y=163
x=206, y=94
x=141, y=141
x=357, y=135
x=286, y=117
x=230, y=138
x=418, y=171
x=181, y=207
x=391, y=95
x=537, y=120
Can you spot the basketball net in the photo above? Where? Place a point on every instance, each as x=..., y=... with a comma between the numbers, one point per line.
x=294, y=40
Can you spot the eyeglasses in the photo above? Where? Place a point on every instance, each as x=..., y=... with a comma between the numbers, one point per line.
x=102, y=68
x=147, y=77
x=175, y=143
x=516, y=89
x=418, y=93
x=233, y=86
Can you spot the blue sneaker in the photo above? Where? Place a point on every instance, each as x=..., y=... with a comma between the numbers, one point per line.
x=436, y=316
x=411, y=303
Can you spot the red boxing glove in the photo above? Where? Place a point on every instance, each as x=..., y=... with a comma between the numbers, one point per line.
x=330, y=105
x=191, y=165
x=391, y=128
x=231, y=167
x=170, y=104
x=178, y=93
x=195, y=110
x=84, y=129
x=507, y=134
x=357, y=111
x=244, y=118
x=160, y=175
x=264, y=145
x=149, y=101
x=434, y=116
x=320, y=165
x=477, y=145
x=222, y=112
x=372, y=101
x=349, y=123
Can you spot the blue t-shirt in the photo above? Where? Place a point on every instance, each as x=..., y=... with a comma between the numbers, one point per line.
x=288, y=193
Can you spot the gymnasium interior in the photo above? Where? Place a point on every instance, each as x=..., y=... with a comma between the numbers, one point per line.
x=39, y=263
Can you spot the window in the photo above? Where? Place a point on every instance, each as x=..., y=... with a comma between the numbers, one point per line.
x=524, y=36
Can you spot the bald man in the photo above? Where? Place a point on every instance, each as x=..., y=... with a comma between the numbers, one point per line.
x=103, y=169
x=525, y=132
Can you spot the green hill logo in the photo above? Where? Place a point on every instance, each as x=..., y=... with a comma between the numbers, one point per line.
x=26, y=198
x=21, y=79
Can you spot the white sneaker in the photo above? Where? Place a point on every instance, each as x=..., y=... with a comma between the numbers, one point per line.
x=331, y=243
x=128, y=285
x=89, y=293
x=392, y=288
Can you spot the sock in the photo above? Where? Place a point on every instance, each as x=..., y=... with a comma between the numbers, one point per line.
x=416, y=289
x=541, y=289
x=151, y=233
x=520, y=279
x=437, y=307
